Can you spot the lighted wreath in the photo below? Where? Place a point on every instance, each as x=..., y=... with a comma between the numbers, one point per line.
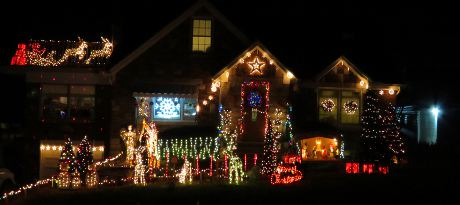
x=328, y=105
x=350, y=107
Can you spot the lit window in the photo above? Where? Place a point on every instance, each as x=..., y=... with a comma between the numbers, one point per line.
x=166, y=108
x=201, y=35
x=171, y=108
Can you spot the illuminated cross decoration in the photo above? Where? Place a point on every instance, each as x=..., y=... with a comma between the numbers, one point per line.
x=256, y=66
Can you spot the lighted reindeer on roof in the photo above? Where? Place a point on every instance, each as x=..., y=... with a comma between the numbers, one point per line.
x=105, y=52
x=79, y=52
x=37, y=54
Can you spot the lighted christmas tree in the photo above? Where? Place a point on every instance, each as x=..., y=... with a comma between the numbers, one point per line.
x=379, y=129
x=393, y=137
x=371, y=126
x=84, y=159
x=293, y=145
x=66, y=165
x=269, y=155
x=226, y=137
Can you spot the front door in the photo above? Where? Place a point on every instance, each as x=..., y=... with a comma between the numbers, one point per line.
x=254, y=109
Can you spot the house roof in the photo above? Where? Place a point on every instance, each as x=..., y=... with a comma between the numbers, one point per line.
x=171, y=26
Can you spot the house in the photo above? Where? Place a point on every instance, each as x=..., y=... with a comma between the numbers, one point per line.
x=180, y=78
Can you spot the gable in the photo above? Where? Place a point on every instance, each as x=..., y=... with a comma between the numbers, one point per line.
x=343, y=71
x=175, y=40
x=255, y=63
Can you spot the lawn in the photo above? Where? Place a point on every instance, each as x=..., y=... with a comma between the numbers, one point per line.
x=315, y=188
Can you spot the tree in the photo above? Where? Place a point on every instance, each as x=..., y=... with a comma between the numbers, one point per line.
x=293, y=145
x=67, y=156
x=379, y=129
x=395, y=142
x=84, y=158
x=269, y=155
x=66, y=165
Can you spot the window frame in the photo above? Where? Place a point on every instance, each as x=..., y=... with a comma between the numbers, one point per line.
x=211, y=36
x=68, y=94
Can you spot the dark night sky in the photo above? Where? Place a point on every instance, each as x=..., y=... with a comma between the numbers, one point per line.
x=416, y=44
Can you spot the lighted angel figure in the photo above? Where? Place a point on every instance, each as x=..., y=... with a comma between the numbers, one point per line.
x=128, y=137
x=151, y=134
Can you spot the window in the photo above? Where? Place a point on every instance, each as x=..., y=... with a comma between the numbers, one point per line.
x=169, y=108
x=201, y=35
x=350, y=107
x=327, y=106
x=166, y=108
x=189, y=108
x=63, y=102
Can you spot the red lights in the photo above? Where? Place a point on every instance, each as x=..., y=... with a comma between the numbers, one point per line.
x=286, y=174
x=367, y=168
x=20, y=56
x=226, y=164
x=210, y=166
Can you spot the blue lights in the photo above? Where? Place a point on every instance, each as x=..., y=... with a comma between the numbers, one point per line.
x=254, y=99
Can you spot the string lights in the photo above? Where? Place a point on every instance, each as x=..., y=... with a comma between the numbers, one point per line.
x=84, y=158
x=128, y=137
x=287, y=173
x=379, y=129
x=25, y=188
x=139, y=168
x=105, y=52
x=67, y=165
x=270, y=151
x=190, y=147
x=350, y=107
x=44, y=53
x=91, y=177
x=185, y=175
x=328, y=105
x=253, y=85
x=256, y=66
x=236, y=174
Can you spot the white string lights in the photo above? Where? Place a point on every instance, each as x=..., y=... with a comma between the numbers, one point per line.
x=45, y=53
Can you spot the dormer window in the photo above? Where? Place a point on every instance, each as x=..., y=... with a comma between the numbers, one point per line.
x=201, y=40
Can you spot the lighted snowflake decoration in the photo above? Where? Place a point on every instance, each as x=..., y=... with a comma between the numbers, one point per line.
x=167, y=108
x=350, y=107
x=328, y=105
x=254, y=99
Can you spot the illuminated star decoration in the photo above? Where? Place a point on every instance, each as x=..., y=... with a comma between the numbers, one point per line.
x=256, y=66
